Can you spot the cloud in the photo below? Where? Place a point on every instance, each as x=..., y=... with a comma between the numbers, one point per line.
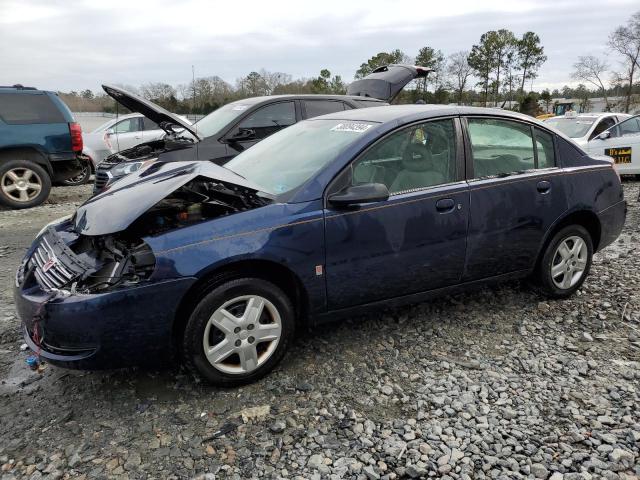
x=64, y=45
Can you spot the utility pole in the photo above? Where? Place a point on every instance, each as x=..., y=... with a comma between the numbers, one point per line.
x=193, y=82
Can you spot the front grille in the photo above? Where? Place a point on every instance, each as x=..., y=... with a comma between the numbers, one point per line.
x=101, y=180
x=102, y=175
x=49, y=272
x=54, y=265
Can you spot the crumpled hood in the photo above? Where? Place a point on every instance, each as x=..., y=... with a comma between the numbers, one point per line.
x=120, y=205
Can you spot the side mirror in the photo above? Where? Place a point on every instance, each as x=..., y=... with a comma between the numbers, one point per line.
x=110, y=131
x=356, y=194
x=243, y=135
x=604, y=135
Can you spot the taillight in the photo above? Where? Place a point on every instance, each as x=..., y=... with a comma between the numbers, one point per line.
x=106, y=140
x=76, y=136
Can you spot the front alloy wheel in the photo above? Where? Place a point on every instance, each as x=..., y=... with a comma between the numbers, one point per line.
x=242, y=334
x=238, y=332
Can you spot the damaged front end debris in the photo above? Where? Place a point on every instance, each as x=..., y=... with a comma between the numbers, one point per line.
x=103, y=248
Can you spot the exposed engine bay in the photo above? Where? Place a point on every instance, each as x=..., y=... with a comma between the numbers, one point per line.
x=200, y=199
x=68, y=260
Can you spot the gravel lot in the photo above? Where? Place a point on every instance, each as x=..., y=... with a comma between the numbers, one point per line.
x=495, y=384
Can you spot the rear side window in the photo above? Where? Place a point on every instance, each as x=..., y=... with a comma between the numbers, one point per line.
x=315, y=108
x=26, y=109
x=149, y=124
x=500, y=147
x=545, y=150
x=368, y=103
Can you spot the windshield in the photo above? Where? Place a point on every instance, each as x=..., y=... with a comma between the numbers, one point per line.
x=220, y=118
x=287, y=159
x=572, y=127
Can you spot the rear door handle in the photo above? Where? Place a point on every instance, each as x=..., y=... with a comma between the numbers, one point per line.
x=445, y=205
x=544, y=186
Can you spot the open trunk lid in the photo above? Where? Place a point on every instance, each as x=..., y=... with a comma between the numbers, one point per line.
x=386, y=82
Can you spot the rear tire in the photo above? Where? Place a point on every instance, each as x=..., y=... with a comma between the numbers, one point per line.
x=238, y=332
x=23, y=184
x=565, y=262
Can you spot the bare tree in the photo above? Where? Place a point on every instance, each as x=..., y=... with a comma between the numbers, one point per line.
x=274, y=79
x=459, y=71
x=592, y=70
x=625, y=40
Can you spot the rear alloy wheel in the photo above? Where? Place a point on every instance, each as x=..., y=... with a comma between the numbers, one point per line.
x=23, y=184
x=238, y=332
x=566, y=262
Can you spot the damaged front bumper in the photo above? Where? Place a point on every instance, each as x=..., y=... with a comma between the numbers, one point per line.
x=127, y=327
x=87, y=323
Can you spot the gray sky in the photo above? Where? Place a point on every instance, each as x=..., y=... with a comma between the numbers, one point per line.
x=72, y=45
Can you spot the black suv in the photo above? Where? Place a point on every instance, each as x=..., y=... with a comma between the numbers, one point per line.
x=40, y=144
x=229, y=130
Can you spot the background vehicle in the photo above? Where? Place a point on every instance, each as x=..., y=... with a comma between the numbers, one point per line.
x=233, y=128
x=39, y=145
x=584, y=127
x=328, y=217
x=622, y=143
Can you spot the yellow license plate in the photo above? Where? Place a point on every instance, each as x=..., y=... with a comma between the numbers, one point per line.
x=619, y=154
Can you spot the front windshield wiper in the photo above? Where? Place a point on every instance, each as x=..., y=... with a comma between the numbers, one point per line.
x=235, y=173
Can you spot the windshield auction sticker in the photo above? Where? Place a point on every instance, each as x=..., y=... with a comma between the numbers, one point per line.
x=352, y=127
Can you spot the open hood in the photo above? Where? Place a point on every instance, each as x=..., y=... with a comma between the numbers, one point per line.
x=384, y=83
x=149, y=109
x=119, y=206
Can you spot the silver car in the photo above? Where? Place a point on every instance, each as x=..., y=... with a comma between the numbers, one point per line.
x=120, y=133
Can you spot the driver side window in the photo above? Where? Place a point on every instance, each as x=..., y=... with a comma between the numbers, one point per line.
x=605, y=124
x=417, y=157
x=127, y=126
x=268, y=120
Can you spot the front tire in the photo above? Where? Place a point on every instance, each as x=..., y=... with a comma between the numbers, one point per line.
x=566, y=262
x=80, y=179
x=238, y=332
x=23, y=184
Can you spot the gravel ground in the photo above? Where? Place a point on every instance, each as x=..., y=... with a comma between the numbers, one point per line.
x=495, y=384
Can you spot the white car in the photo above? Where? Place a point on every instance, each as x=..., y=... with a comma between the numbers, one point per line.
x=616, y=135
x=622, y=143
x=585, y=127
x=119, y=133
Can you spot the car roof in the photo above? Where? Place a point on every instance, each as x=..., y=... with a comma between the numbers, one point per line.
x=305, y=96
x=593, y=114
x=384, y=114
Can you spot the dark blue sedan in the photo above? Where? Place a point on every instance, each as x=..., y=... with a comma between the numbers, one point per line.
x=385, y=205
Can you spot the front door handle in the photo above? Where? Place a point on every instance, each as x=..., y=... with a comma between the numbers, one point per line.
x=544, y=186
x=445, y=205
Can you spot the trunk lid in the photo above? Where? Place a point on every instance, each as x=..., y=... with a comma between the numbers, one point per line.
x=162, y=117
x=121, y=204
x=385, y=82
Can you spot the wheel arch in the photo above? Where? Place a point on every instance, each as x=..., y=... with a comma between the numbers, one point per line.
x=26, y=153
x=268, y=270
x=585, y=218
